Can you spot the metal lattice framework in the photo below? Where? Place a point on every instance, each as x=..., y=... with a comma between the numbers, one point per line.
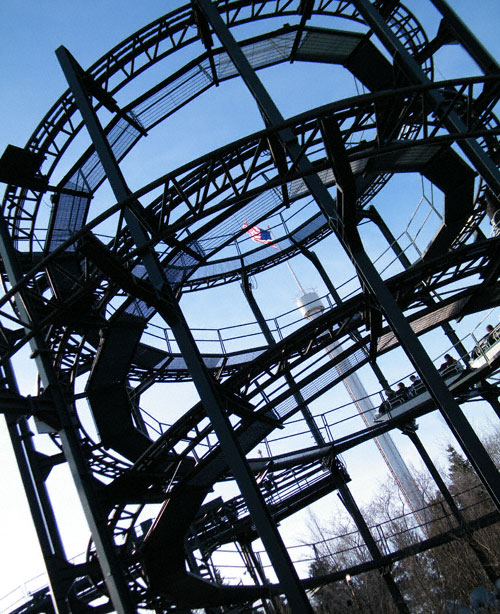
x=103, y=315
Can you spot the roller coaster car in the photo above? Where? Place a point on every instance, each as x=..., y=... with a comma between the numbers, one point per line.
x=487, y=349
x=417, y=395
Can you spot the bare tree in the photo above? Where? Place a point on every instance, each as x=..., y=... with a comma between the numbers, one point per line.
x=428, y=580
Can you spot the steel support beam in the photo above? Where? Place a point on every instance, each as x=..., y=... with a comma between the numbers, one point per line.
x=492, y=397
x=351, y=506
x=478, y=53
x=206, y=386
x=312, y=256
x=443, y=489
x=370, y=277
x=38, y=499
x=449, y=408
x=471, y=148
x=376, y=218
x=256, y=571
x=272, y=117
x=70, y=441
x=410, y=432
x=258, y=315
x=344, y=492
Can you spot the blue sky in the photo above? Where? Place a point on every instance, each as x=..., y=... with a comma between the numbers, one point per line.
x=32, y=81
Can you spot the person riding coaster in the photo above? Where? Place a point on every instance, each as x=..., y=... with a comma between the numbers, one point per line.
x=450, y=368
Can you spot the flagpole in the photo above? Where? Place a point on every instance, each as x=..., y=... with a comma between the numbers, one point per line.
x=294, y=275
x=290, y=267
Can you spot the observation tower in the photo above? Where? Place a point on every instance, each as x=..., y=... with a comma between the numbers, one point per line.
x=196, y=412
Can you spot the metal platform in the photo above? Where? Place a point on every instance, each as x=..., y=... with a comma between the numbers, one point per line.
x=105, y=321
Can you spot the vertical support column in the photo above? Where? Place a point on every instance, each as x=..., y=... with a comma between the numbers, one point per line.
x=344, y=492
x=370, y=277
x=194, y=567
x=491, y=395
x=331, y=288
x=401, y=256
x=96, y=518
x=457, y=422
x=410, y=432
x=482, y=556
x=39, y=502
x=443, y=398
x=479, y=54
x=258, y=315
x=351, y=506
x=312, y=257
x=207, y=388
x=255, y=569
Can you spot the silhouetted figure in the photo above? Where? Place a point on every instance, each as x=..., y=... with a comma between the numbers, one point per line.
x=492, y=334
x=386, y=405
x=402, y=392
x=414, y=386
x=449, y=361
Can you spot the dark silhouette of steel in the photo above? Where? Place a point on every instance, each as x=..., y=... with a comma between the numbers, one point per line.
x=411, y=432
x=83, y=304
x=207, y=388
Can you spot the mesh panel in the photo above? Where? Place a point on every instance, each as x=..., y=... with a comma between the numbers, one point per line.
x=191, y=83
x=310, y=228
x=174, y=95
x=221, y=268
x=139, y=270
x=212, y=362
x=184, y=263
x=276, y=49
x=70, y=216
x=320, y=384
x=140, y=309
x=425, y=322
x=180, y=267
x=409, y=159
x=177, y=364
x=325, y=46
x=71, y=210
x=267, y=201
x=243, y=358
x=161, y=104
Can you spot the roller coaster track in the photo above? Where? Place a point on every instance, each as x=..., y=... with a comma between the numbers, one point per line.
x=189, y=440
x=93, y=303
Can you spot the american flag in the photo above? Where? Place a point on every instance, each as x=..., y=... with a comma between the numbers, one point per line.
x=260, y=235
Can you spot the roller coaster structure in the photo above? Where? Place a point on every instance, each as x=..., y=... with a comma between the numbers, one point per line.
x=96, y=289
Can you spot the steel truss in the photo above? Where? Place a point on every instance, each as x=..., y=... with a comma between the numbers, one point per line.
x=108, y=313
